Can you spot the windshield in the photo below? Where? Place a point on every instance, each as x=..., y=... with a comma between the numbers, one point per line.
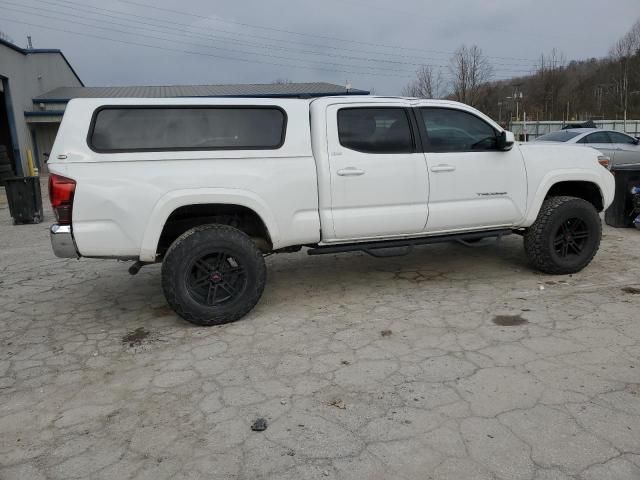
x=561, y=136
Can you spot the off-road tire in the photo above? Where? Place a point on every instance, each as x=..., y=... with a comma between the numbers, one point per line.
x=208, y=240
x=539, y=239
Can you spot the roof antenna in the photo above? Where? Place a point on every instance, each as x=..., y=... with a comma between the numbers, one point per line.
x=29, y=44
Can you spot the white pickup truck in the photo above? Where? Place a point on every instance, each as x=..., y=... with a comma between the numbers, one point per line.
x=209, y=186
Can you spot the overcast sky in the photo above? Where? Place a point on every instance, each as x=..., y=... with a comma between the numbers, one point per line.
x=371, y=43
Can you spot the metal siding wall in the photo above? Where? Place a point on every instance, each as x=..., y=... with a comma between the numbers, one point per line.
x=29, y=76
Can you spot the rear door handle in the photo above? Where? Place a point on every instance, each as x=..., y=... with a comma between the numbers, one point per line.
x=350, y=172
x=443, y=168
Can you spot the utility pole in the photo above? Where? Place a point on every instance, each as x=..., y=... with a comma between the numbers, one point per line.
x=517, y=97
x=635, y=92
x=626, y=100
x=510, y=115
x=29, y=44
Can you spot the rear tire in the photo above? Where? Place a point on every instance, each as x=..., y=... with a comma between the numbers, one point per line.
x=213, y=274
x=565, y=237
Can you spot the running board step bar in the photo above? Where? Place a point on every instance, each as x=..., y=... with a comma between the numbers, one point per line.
x=405, y=245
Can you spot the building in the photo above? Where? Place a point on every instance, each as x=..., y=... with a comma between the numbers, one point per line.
x=25, y=74
x=38, y=83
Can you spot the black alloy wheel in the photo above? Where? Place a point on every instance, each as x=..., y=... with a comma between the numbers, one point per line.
x=571, y=238
x=216, y=278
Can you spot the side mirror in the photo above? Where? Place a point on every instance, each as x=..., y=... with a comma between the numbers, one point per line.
x=506, y=140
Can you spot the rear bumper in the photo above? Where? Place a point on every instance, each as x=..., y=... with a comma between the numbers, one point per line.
x=62, y=242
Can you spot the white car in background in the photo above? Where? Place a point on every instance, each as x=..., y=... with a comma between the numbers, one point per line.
x=621, y=148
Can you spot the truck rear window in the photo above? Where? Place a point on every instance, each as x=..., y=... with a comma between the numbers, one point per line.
x=135, y=129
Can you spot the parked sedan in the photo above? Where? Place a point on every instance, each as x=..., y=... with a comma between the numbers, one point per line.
x=623, y=149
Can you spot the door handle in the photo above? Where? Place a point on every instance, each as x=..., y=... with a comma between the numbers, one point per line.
x=350, y=172
x=443, y=168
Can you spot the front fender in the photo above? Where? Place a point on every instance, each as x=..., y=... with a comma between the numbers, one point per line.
x=605, y=187
x=174, y=199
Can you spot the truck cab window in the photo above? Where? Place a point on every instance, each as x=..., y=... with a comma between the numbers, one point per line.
x=450, y=130
x=375, y=130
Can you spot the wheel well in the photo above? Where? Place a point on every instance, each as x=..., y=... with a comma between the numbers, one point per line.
x=190, y=216
x=586, y=190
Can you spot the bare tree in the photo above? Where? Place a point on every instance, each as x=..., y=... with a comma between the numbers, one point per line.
x=633, y=36
x=562, y=89
x=622, y=54
x=551, y=79
x=427, y=84
x=470, y=69
x=282, y=81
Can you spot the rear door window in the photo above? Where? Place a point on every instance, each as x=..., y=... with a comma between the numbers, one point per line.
x=621, y=138
x=375, y=130
x=597, y=137
x=134, y=129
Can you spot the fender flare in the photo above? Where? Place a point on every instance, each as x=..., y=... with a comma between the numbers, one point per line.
x=558, y=176
x=175, y=199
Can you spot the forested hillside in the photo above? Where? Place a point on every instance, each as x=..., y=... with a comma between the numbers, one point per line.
x=596, y=88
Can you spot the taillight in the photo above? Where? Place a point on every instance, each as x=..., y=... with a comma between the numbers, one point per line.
x=604, y=161
x=61, y=192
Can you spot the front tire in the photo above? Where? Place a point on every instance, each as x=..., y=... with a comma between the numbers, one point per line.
x=213, y=274
x=565, y=237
